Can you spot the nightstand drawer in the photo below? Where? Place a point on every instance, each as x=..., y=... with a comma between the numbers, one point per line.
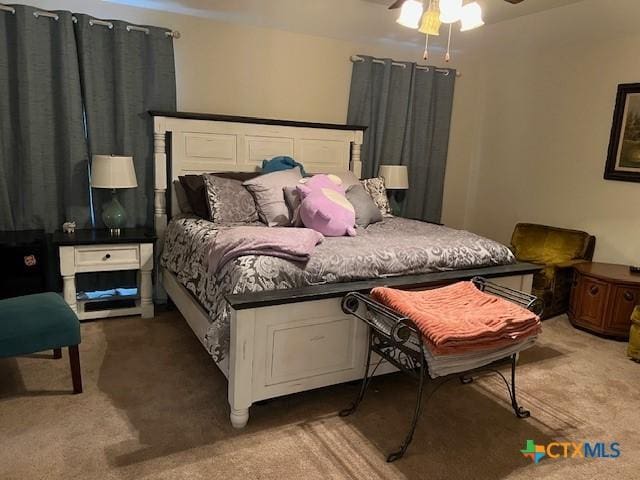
x=95, y=258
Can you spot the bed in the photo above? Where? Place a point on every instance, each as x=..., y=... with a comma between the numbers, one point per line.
x=274, y=327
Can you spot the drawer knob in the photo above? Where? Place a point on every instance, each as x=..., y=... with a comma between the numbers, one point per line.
x=628, y=296
x=594, y=290
x=107, y=256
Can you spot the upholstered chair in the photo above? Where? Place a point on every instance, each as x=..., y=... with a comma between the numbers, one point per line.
x=557, y=249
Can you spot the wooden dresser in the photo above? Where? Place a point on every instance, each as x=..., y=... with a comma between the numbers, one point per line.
x=603, y=296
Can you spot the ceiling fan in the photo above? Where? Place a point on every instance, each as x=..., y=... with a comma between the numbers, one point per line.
x=427, y=16
x=398, y=3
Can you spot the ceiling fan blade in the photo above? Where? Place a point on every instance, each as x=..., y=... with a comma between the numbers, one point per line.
x=396, y=4
x=515, y=2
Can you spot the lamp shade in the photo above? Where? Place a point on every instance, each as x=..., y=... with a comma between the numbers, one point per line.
x=450, y=10
x=113, y=171
x=396, y=177
x=410, y=14
x=471, y=16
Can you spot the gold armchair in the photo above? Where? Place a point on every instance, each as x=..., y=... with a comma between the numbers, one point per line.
x=557, y=249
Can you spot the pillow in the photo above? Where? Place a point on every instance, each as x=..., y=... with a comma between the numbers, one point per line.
x=181, y=197
x=375, y=188
x=228, y=201
x=325, y=208
x=348, y=178
x=367, y=212
x=292, y=199
x=194, y=190
x=267, y=191
x=196, y=194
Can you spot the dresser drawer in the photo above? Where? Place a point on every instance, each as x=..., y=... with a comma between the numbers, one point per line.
x=95, y=258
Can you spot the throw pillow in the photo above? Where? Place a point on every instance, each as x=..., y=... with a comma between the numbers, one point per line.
x=267, y=191
x=367, y=212
x=181, y=197
x=375, y=188
x=228, y=201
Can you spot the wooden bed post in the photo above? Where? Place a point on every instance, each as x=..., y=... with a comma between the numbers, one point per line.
x=160, y=199
x=241, y=365
x=356, y=148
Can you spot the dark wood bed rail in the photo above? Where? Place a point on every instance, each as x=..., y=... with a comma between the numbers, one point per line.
x=243, y=301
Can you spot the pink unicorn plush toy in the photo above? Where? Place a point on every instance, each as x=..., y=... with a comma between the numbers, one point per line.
x=324, y=206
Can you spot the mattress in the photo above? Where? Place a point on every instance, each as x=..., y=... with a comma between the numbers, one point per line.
x=394, y=247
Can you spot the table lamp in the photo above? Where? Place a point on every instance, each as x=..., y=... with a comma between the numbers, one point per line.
x=113, y=172
x=396, y=177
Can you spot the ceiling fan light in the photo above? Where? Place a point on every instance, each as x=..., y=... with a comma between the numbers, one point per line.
x=471, y=16
x=450, y=10
x=430, y=24
x=410, y=14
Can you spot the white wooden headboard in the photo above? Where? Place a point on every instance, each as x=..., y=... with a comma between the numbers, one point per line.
x=191, y=143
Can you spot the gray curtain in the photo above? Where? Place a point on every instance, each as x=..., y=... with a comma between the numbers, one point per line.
x=125, y=74
x=43, y=155
x=408, y=114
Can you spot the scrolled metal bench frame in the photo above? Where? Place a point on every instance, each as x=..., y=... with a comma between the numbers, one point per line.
x=397, y=340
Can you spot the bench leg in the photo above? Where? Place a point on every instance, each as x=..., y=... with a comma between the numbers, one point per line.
x=57, y=353
x=74, y=362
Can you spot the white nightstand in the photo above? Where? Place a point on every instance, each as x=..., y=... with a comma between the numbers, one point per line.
x=98, y=251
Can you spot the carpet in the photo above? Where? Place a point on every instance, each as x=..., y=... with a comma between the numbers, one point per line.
x=155, y=407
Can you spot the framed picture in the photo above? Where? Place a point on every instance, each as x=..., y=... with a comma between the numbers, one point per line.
x=623, y=161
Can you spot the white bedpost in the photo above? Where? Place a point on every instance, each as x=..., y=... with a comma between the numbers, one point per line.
x=356, y=148
x=241, y=365
x=160, y=198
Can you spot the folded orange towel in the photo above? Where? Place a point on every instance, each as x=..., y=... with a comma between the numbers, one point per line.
x=460, y=318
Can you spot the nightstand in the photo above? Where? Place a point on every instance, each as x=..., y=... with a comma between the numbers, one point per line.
x=87, y=251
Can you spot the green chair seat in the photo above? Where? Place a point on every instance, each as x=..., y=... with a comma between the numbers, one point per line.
x=34, y=323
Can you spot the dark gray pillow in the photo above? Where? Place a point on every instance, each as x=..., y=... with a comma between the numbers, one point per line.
x=367, y=212
x=228, y=201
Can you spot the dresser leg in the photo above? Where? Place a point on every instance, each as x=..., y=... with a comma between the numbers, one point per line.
x=70, y=291
x=146, y=285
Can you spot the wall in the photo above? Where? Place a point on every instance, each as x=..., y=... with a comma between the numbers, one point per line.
x=547, y=91
x=244, y=70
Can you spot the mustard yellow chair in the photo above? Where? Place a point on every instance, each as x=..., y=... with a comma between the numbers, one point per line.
x=634, y=336
x=557, y=249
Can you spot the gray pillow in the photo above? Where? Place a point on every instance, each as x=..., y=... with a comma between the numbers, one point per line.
x=292, y=199
x=181, y=196
x=367, y=212
x=228, y=201
x=267, y=191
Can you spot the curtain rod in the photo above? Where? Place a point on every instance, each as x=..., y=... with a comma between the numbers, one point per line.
x=92, y=22
x=357, y=59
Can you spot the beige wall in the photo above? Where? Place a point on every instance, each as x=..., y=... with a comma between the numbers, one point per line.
x=544, y=123
x=244, y=70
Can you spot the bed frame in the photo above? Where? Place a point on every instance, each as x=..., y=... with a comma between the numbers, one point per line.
x=285, y=341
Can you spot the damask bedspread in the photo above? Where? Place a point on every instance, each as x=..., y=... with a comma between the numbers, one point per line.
x=396, y=246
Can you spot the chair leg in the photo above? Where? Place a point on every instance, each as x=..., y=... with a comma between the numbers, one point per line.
x=76, y=374
x=57, y=353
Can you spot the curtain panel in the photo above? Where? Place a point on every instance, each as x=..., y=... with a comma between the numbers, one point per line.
x=408, y=113
x=43, y=154
x=124, y=74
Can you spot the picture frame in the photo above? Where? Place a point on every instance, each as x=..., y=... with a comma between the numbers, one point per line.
x=623, y=159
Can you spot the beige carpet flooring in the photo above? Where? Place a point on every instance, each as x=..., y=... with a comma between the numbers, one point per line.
x=155, y=407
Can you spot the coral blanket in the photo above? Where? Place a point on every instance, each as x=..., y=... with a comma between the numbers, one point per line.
x=459, y=317
x=295, y=244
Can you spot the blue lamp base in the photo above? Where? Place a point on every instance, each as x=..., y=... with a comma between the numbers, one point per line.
x=113, y=215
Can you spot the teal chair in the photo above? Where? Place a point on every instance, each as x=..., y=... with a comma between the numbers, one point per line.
x=34, y=323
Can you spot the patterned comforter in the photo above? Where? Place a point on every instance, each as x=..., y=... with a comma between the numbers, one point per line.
x=395, y=246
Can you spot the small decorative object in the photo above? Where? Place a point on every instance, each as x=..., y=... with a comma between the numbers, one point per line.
x=325, y=208
x=113, y=172
x=69, y=227
x=623, y=161
x=396, y=177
